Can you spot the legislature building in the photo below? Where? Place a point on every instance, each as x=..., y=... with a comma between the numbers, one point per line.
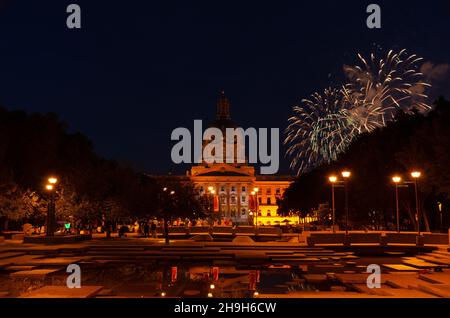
x=237, y=192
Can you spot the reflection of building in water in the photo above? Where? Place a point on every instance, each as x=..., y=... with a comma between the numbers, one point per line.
x=233, y=183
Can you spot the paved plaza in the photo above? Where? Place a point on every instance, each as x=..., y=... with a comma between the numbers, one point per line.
x=137, y=267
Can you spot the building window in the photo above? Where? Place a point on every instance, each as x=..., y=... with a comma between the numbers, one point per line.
x=233, y=199
x=259, y=200
x=243, y=199
x=243, y=189
x=269, y=201
x=201, y=189
x=269, y=191
x=233, y=188
x=277, y=191
x=222, y=188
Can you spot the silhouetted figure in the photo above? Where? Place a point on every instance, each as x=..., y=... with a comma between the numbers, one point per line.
x=153, y=228
x=123, y=229
x=146, y=230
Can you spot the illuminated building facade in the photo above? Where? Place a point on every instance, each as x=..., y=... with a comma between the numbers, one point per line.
x=230, y=185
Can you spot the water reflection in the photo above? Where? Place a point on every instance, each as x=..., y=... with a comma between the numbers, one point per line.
x=181, y=280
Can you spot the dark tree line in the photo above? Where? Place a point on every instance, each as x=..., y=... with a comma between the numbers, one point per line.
x=90, y=188
x=412, y=142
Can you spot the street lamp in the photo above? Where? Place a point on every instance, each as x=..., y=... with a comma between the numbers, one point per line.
x=255, y=193
x=416, y=175
x=346, y=175
x=397, y=180
x=50, y=187
x=165, y=212
x=333, y=180
x=212, y=192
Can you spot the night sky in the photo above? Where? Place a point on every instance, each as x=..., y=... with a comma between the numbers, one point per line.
x=139, y=69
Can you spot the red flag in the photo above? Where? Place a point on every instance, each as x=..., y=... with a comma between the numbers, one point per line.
x=174, y=274
x=252, y=203
x=215, y=273
x=252, y=280
x=216, y=203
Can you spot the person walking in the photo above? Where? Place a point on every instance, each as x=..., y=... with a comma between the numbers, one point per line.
x=146, y=230
x=153, y=228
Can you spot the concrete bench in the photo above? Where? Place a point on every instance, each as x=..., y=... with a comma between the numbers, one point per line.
x=57, y=239
x=325, y=238
x=269, y=231
x=244, y=230
x=18, y=237
x=9, y=234
x=194, y=230
x=365, y=238
x=401, y=238
x=435, y=238
x=178, y=230
x=222, y=230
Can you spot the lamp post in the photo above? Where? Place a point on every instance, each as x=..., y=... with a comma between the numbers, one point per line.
x=211, y=193
x=51, y=213
x=165, y=212
x=333, y=180
x=346, y=175
x=255, y=193
x=397, y=180
x=416, y=175
x=251, y=214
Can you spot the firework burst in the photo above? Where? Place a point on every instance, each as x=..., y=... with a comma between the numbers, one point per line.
x=318, y=131
x=324, y=125
x=379, y=88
